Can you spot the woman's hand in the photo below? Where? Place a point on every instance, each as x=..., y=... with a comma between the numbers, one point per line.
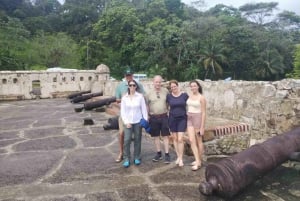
x=202, y=131
x=128, y=125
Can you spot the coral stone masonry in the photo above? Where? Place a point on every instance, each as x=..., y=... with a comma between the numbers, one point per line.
x=240, y=113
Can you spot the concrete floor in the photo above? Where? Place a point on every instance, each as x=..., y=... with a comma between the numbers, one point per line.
x=47, y=154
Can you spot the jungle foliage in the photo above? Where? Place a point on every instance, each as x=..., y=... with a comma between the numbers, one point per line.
x=163, y=37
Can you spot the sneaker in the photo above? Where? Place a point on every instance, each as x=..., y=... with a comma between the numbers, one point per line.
x=126, y=164
x=167, y=158
x=137, y=162
x=157, y=157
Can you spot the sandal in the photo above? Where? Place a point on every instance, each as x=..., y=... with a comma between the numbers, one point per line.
x=119, y=159
x=193, y=163
x=195, y=167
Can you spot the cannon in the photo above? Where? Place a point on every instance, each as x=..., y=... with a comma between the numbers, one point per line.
x=73, y=95
x=99, y=103
x=85, y=97
x=228, y=176
x=112, y=123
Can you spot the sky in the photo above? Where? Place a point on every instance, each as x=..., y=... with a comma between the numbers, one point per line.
x=289, y=5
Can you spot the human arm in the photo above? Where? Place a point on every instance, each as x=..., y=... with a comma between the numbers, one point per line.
x=203, y=114
x=121, y=89
x=118, y=94
x=144, y=108
x=124, y=111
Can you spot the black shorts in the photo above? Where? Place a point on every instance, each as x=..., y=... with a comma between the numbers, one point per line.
x=159, y=126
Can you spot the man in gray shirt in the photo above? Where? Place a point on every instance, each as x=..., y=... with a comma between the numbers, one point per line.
x=158, y=112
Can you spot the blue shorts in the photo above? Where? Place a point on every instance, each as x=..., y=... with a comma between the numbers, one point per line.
x=178, y=124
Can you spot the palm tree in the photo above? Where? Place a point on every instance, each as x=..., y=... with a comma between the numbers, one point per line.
x=271, y=64
x=156, y=70
x=212, y=58
x=192, y=72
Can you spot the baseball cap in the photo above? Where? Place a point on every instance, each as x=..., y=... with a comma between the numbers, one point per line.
x=128, y=71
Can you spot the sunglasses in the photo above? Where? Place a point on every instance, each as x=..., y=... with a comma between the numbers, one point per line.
x=132, y=85
x=157, y=95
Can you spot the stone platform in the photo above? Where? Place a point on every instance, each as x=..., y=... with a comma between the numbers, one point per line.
x=47, y=154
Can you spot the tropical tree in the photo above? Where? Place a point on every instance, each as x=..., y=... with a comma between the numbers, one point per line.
x=14, y=41
x=259, y=13
x=157, y=70
x=297, y=63
x=55, y=50
x=270, y=65
x=116, y=30
x=192, y=72
x=78, y=17
x=213, y=58
x=296, y=71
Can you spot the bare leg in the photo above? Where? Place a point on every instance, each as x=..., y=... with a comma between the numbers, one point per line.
x=121, y=145
x=166, y=143
x=157, y=144
x=180, y=148
x=175, y=143
x=200, y=146
x=121, y=140
x=193, y=141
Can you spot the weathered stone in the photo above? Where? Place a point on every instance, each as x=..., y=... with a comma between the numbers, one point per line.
x=4, y=143
x=229, y=99
x=8, y=135
x=43, y=132
x=51, y=143
x=281, y=94
x=25, y=168
x=268, y=91
x=208, y=135
x=59, y=159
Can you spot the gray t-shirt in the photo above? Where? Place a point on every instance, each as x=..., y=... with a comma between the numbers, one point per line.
x=157, y=101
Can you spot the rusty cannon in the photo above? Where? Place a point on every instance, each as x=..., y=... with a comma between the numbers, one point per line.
x=86, y=97
x=73, y=95
x=228, y=176
x=99, y=103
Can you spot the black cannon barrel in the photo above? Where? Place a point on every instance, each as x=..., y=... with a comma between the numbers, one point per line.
x=229, y=175
x=85, y=97
x=73, y=95
x=99, y=103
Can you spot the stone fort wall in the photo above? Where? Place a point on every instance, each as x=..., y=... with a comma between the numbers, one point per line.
x=23, y=85
x=268, y=108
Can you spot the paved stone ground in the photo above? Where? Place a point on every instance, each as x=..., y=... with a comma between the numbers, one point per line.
x=47, y=154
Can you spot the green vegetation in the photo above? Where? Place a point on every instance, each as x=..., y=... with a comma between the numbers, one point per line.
x=151, y=36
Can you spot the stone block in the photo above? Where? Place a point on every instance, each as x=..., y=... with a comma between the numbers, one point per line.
x=208, y=135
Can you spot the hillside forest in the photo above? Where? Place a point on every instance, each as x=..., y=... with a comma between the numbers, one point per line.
x=166, y=37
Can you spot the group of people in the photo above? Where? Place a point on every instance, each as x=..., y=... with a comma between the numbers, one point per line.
x=168, y=112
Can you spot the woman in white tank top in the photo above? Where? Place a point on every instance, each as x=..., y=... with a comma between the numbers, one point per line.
x=196, y=111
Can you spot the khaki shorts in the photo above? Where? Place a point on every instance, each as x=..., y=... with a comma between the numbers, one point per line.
x=121, y=125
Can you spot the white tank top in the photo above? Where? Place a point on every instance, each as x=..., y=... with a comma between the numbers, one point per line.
x=193, y=106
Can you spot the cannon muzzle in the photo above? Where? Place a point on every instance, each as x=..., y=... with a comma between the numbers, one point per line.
x=229, y=175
